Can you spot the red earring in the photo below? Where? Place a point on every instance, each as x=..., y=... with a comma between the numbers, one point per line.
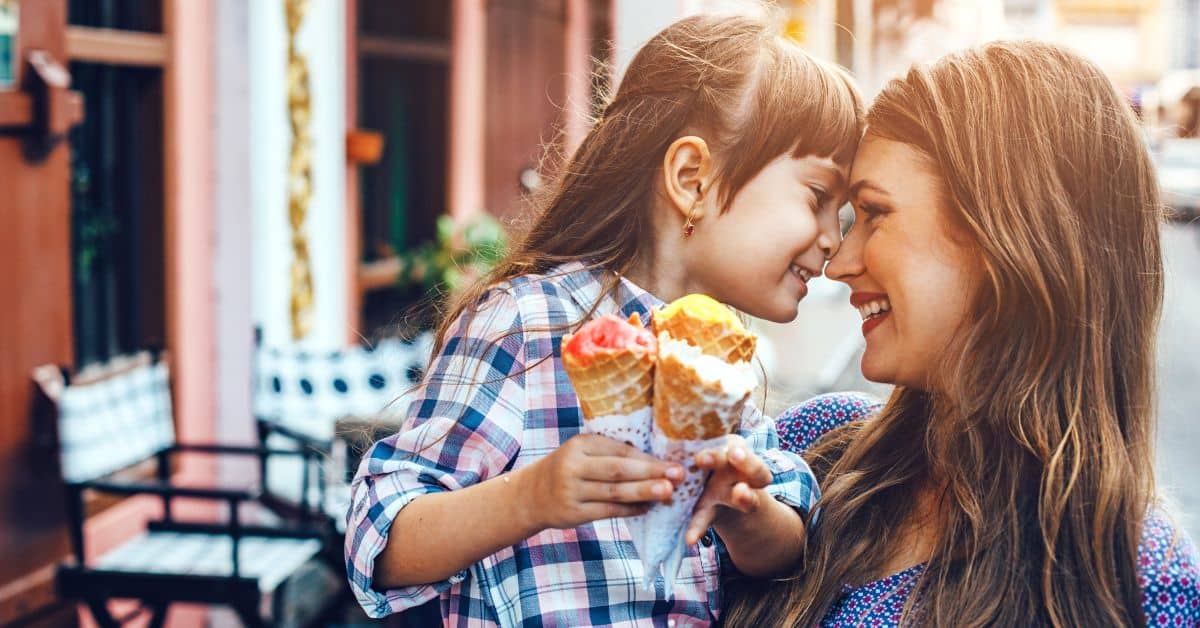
x=689, y=227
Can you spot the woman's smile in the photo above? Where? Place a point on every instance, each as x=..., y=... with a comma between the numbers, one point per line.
x=874, y=307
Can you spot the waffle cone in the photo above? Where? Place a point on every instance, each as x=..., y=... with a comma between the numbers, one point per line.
x=722, y=341
x=616, y=382
x=688, y=408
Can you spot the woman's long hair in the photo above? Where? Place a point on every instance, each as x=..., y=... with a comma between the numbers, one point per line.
x=1042, y=434
x=754, y=96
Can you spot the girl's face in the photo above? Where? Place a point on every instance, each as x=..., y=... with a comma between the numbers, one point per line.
x=777, y=234
x=911, y=278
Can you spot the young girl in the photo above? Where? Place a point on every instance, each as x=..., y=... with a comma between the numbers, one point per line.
x=718, y=168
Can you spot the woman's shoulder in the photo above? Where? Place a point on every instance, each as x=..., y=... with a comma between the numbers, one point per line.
x=1169, y=573
x=803, y=424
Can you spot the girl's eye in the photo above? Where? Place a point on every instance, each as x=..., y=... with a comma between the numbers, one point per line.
x=821, y=195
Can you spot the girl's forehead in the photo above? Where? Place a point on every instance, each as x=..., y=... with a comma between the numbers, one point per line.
x=826, y=167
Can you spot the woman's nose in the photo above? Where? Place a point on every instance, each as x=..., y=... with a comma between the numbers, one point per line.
x=846, y=260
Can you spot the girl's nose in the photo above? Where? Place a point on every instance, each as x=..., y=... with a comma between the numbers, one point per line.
x=828, y=245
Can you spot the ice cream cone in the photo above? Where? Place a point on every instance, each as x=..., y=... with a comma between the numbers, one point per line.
x=706, y=323
x=615, y=382
x=687, y=406
x=610, y=362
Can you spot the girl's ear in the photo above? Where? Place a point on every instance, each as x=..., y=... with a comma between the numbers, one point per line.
x=687, y=175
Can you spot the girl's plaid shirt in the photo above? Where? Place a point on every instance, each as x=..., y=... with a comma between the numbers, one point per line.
x=496, y=398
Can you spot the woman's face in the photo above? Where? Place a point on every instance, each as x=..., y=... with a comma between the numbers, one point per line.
x=911, y=276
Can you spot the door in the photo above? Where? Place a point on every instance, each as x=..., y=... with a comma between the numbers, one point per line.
x=36, y=109
x=526, y=89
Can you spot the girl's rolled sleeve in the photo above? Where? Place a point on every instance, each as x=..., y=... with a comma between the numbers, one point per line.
x=793, y=482
x=463, y=427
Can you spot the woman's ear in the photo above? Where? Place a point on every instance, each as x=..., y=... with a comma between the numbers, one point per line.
x=687, y=175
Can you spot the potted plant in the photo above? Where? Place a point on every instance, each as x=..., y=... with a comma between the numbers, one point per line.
x=461, y=253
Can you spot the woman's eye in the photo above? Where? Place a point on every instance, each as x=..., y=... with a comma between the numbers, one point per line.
x=873, y=213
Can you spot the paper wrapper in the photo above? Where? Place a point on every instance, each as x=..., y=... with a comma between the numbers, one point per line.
x=659, y=534
x=698, y=402
x=635, y=429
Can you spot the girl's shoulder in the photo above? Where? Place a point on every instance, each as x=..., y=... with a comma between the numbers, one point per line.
x=568, y=285
x=803, y=424
x=1168, y=572
x=530, y=296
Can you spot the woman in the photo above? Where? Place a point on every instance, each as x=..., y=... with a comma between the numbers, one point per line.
x=1006, y=260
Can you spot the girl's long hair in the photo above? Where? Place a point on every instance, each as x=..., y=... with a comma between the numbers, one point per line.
x=1042, y=437
x=753, y=94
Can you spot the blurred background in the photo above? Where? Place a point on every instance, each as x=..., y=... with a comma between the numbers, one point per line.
x=260, y=185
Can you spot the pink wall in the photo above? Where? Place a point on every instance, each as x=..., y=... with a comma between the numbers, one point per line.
x=578, y=52
x=468, y=43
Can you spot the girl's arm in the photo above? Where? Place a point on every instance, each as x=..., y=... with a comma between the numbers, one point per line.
x=588, y=478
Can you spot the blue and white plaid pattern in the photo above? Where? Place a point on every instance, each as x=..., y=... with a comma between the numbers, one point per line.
x=496, y=399
x=114, y=423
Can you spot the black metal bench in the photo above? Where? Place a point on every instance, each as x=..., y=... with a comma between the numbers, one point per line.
x=124, y=418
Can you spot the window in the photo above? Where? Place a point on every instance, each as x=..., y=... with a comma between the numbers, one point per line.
x=117, y=198
x=9, y=22
x=403, y=83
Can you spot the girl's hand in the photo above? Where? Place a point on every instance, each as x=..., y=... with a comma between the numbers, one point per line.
x=592, y=477
x=735, y=486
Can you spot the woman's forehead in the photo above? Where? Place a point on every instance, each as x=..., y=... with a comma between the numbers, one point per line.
x=884, y=165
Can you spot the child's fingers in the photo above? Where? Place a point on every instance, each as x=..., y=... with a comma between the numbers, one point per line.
x=596, y=445
x=625, y=492
x=701, y=520
x=611, y=469
x=744, y=498
x=711, y=459
x=749, y=466
x=607, y=510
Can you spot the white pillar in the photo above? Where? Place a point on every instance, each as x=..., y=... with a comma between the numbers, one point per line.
x=322, y=41
x=864, y=31
x=234, y=237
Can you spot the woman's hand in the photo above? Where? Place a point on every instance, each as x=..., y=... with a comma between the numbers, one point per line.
x=735, y=486
x=592, y=477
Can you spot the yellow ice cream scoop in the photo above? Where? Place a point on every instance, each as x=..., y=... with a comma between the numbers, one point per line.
x=703, y=321
x=703, y=308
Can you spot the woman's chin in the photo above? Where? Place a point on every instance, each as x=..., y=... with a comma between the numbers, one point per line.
x=876, y=372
